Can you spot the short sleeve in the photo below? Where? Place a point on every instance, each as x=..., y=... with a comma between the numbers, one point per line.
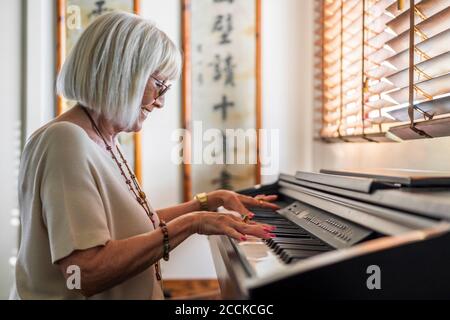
x=72, y=207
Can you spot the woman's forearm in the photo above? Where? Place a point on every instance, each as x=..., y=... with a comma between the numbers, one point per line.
x=168, y=214
x=105, y=267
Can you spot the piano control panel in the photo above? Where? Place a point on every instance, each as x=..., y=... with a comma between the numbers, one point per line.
x=337, y=232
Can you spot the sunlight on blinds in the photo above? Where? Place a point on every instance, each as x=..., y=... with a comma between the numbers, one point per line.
x=384, y=68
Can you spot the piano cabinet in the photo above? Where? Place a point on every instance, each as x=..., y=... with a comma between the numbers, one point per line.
x=386, y=252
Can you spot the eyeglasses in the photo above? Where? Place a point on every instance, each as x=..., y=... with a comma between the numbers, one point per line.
x=163, y=88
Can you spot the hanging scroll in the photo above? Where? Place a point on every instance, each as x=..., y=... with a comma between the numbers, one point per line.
x=73, y=18
x=221, y=94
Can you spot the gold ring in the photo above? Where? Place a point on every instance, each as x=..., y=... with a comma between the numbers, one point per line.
x=245, y=218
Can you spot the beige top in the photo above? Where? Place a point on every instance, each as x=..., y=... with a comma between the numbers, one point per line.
x=73, y=197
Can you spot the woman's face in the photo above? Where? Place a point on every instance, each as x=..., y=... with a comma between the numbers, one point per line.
x=153, y=97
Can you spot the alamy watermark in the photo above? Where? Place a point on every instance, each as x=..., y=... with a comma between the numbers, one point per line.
x=374, y=280
x=229, y=146
x=73, y=281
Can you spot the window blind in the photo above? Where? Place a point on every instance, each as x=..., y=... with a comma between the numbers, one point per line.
x=386, y=69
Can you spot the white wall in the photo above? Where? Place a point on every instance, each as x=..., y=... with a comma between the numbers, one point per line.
x=10, y=93
x=287, y=31
x=430, y=154
x=40, y=63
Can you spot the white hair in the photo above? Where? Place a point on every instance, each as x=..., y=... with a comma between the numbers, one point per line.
x=109, y=67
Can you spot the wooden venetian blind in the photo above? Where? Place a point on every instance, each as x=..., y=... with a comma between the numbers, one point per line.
x=385, y=69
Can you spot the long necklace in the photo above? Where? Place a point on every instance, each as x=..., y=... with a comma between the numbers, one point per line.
x=140, y=196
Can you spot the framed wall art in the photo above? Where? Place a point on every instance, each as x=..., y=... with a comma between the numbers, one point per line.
x=221, y=94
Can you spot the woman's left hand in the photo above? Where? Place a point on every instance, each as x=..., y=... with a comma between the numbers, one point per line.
x=237, y=202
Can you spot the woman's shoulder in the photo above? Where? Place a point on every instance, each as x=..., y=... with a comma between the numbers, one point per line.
x=58, y=135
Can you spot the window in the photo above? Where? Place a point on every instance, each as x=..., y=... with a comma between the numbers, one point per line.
x=383, y=70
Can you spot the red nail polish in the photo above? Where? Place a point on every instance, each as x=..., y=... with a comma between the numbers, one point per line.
x=243, y=238
x=271, y=235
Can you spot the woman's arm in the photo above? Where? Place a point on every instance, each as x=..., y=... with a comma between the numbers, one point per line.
x=168, y=214
x=107, y=266
x=229, y=199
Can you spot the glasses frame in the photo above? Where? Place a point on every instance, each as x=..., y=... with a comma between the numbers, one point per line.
x=164, y=88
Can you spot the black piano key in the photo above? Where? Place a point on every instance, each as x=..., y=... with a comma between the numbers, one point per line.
x=307, y=241
x=304, y=240
x=276, y=219
x=295, y=260
x=279, y=225
x=267, y=214
x=296, y=229
x=262, y=210
x=287, y=233
x=279, y=248
x=276, y=222
x=288, y=255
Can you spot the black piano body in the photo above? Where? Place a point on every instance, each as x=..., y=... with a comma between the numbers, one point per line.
x=339, y=241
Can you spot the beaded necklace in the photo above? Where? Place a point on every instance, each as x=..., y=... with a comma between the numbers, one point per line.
x=140, y=196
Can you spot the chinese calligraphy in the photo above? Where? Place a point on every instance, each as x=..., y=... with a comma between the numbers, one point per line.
x=99, y=10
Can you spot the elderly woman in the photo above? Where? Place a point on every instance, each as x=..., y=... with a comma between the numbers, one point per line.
x=82, y=209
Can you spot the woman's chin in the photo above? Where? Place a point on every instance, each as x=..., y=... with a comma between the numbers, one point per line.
x=138, y=124
x=135, y=127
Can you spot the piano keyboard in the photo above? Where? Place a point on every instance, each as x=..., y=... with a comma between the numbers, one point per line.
x=292, y=244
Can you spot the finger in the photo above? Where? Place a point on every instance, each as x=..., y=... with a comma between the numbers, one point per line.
x=266, y=227
x=252, y=202
x=254, y=230
x=270, y=198
x=235, y=234
x=237, y=219
x=239, y=207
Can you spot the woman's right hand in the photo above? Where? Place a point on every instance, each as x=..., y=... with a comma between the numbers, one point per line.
x=213, y=223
